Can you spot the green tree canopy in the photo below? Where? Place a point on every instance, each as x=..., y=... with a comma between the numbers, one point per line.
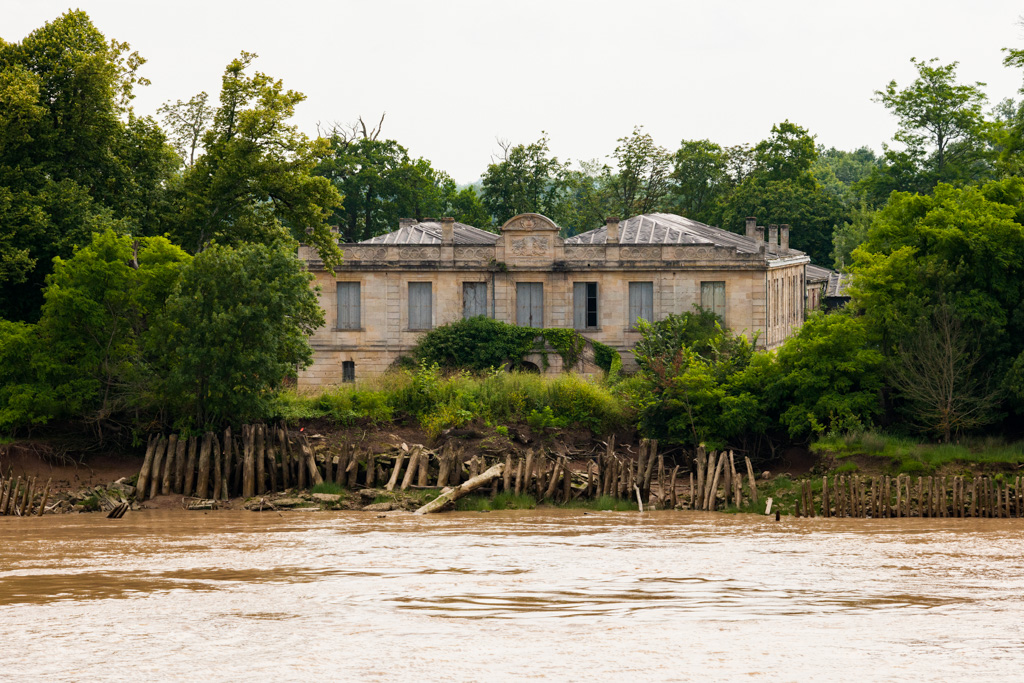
x=254, y=181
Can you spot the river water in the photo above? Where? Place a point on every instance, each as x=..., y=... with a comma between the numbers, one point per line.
x=558, y=595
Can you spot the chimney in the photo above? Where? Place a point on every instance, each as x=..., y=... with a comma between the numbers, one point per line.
x=751, y=227
x=773, y=238
x=612, y=230
x=759, y=238
x=406, y=223
x=784, y=239
x=448, y=230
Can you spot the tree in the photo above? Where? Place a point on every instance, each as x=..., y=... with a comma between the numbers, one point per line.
x=700, y=177
x=830, y=376
x=74, y=159
x=937, y=116
x=525, y=180
x=236, y=325
x=187, y=121
x=254, y=181
x=780, y=189
x=90, y=356
x=850, y=235
x=936, y=370
x=382, y=184
x=641, y=182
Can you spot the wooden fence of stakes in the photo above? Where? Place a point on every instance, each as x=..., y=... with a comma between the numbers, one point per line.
x=23, y=498
x=268, y=458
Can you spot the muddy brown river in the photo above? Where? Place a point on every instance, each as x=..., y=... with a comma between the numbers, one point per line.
x=558, y=595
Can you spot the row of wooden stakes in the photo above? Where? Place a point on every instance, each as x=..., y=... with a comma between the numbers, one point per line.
x=901, y=496
x=22, y=498
x=263, y=459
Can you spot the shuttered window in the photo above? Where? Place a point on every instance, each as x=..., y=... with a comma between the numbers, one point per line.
x=474, y=299
x=584, y=306
x=421, y=306
x=530, y=304
x=712, y=297
x=641, y=302
x=348, y=306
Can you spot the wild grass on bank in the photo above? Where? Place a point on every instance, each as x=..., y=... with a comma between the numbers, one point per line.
x=440, y=401
x=905, y=455
x=502, y=501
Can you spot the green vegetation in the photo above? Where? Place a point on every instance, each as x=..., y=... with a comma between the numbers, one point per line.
x=328, y=487
x=907, y=455
x=502, y=501
x=439, y=401
x=481, y=344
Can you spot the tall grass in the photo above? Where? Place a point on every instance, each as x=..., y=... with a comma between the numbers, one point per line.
x=905, y=455
x=440, y=401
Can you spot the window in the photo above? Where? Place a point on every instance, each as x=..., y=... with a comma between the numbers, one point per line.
x=530, y=304
x=584, y=305
x=348, y=306
x=712, y=297
x=421, y=306
x=474, y=299
x=348, y=371
x=641, y=302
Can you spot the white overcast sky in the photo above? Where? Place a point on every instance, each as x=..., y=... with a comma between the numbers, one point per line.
x=453, y=76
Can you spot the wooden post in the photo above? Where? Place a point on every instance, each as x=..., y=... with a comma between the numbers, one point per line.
x=672, y=495
x=709, y=477
x=506, y=480
x=443, y=468
x=692, y=493
x=556, y=469
x=371, y=469
x=825, y=507
x=529, y=468
x=714, y=482
x=314, y=471
x=142, y=484
x=414, y=463
x=46, y=496
x=227, y=463
x=461, y=490
x=353, y=471
x=218, y=478
x=180, y=463
x=30, y=493
x=702, y=464
x=157, y=470
x=5, y=494
x=261, y=459
x=520, y=474
x=12, y=496
x=566, y=480
x=652, y=450
x=641, y=463
x=752, y=479
x=203, y=480
x=393, y=481
x=169, y=466
x=190, y=466
x=248, y=463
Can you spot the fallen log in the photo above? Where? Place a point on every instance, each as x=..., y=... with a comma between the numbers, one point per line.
x=462, y=489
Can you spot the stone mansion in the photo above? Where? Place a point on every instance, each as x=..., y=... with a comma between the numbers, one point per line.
x=393, y=287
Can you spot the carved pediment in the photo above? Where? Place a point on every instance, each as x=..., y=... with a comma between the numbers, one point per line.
x=530, y=222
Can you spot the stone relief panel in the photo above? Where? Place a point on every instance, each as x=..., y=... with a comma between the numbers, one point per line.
x=584, y=253
x=474, y=253
x=532, y=246
x=366, y=254
x=640, y=253
x=419, y=253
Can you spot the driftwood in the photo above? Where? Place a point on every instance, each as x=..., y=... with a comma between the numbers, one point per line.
x=461, y=490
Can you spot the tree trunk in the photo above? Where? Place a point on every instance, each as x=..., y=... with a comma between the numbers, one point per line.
x=461, y=490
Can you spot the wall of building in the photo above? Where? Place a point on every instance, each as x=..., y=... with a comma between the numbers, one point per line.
x=763, y=296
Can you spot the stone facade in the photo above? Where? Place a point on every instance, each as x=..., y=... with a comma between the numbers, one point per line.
x=760, y=285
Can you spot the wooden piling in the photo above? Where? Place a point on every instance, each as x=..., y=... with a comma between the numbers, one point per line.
x=714, y=482
x=142, y=484
x=180, y=463
x=672, y=495
x=190, y=465
x=702, y=463
x=692, y=492
x=752, y=479
x=203, y=480
x=218, y=471
x=167, y=477
x=248, y=463
x=260, y=457
x=310, y=456
x=46, y=496
x=393, y=481
x=652, y=451
x=227, y=456
x=157, y=468
x=414, y=463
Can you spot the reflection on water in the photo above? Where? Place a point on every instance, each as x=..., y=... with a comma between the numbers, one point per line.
x=549, y=594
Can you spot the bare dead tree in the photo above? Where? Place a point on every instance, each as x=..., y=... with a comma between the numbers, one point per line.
x=936, y=371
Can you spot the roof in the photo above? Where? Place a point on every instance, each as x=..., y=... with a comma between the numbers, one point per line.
x=817, y=273
x=429, y=232
x=837, y=284
x=667, y=228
